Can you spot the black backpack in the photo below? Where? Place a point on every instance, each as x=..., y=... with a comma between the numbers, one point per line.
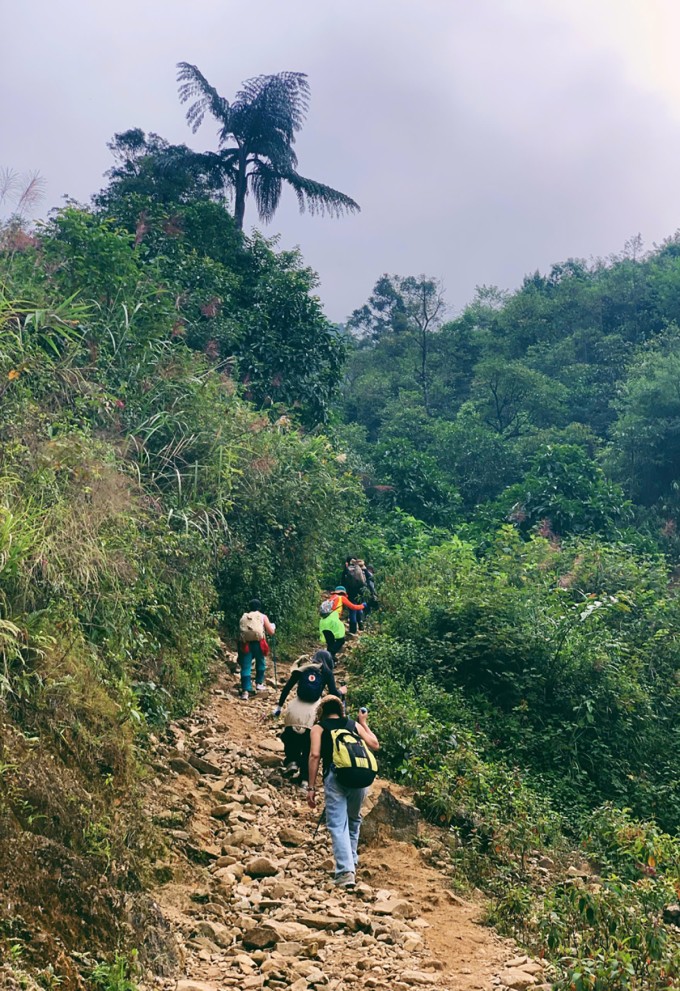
x=310, y=685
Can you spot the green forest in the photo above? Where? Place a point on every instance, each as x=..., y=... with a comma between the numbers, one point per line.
x=183, y=428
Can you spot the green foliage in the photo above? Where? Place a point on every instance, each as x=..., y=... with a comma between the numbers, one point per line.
x=645, y=436
x=610, y=932
x=118, y=975
x=411, y=480
x=566, y=493
x=160, y=275
x=629, y=848
x=430, y=741
x=144, y=498
x=569, y=657
x=585, y=355
x=502, y=690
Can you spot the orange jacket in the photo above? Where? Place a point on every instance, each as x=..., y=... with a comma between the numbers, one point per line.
x=342, y=600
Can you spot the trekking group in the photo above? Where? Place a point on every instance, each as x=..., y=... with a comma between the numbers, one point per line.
x=317, y=731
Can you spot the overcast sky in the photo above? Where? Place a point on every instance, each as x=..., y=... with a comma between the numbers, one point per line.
x=482, y=138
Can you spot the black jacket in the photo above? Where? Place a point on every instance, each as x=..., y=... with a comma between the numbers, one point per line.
x=327, y=677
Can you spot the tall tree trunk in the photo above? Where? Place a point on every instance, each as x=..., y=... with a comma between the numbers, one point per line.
x=241, y=190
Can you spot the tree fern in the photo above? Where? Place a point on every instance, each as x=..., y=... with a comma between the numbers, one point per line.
x=256, y=136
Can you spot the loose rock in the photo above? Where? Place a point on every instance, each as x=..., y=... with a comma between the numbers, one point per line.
x=261, y=867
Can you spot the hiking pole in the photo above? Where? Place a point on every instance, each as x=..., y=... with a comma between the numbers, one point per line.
x=276, y=677
x=318, y=825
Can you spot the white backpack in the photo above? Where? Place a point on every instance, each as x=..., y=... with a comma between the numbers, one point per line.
x=251, y=627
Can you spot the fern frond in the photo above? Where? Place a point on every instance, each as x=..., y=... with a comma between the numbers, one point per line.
x=273, y=103
x=194, y=86
x=319, y=198
x=266, y=185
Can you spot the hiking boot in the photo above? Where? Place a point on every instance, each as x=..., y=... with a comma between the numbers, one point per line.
x=290, y=770
x=346, y=880
x=245, y=696
x=304, y=785
x=261, y=688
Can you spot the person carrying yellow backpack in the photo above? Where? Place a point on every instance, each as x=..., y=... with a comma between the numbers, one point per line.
x=345, y=748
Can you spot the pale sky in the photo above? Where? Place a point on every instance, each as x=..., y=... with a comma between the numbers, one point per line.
x=482, y=138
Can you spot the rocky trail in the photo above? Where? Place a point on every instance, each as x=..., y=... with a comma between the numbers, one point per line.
x=248, y=893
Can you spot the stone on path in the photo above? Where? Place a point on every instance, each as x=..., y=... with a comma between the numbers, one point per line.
x=204, y=766
x=517, y=979
x=181, y=766
x=261, y=867
x=260, y=798
x=274, y=746
x=390, y=817
x=399, y=908
x=418, y=977
x=321, y=921
x=248, y=836
x=260, y=938
x=218, y=933
x=292, y=837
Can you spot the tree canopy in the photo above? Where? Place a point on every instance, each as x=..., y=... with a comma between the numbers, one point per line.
x=256, y=135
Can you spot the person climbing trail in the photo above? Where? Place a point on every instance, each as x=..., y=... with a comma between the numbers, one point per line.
x=311, y=677
x=332, y=630
x=345, y=748
x=254, y=626
x=354, y=581
x=371, y=602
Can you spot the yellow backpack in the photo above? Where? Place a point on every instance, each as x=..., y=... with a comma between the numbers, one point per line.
x=354, y=763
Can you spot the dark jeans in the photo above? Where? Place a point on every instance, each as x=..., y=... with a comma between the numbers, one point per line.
x=356, y=618
x=334, y=645
x=296, y=748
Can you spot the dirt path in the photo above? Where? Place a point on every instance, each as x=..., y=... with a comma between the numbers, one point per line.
x=248, y=892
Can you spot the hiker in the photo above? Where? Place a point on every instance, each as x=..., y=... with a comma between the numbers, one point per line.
x=354, y=580
x=372, y=596
x=345, y=748
x=253, y=629
x=331, y=627
x=311, y=676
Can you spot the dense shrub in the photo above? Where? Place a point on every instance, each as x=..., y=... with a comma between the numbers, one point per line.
x=568, y=656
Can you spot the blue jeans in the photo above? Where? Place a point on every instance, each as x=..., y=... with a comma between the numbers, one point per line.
x=246, y=662
x=356, y=618
x=343, y=818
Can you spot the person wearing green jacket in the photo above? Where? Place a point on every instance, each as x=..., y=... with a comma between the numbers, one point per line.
x=332, y=630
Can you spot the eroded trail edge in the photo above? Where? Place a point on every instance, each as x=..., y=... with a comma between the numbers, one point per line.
x=250, y=898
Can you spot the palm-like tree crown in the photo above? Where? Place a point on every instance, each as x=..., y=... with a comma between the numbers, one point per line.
x=257, y=133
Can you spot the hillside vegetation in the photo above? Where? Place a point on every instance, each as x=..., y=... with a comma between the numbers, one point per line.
x=153, y=477
x=183, y=429
x=526, y=673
